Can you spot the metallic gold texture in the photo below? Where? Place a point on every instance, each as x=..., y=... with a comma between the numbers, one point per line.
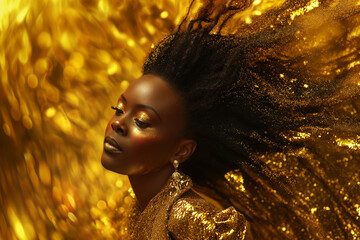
x=176, y=212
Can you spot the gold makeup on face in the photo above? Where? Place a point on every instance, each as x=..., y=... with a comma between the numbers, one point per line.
x=143, y=117
x=120, y=106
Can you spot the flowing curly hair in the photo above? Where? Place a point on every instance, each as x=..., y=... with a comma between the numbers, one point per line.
x=244, y=89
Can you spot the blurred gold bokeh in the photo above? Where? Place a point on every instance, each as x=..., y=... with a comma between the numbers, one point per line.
x=63, y=63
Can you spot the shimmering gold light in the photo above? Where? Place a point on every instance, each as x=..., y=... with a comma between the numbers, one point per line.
x=32, y=81
x=27, y=122
x=357, y=206
x=311, y=5
x=41, y=65
x=353, y=64
x=164, y=14
x=50, y=112
x=72, y=217
x=350, y=143
x=236, y=179
x=62, y=64
x=44, y=40
x=44, y=173
x=7, y=129
x=313, y=210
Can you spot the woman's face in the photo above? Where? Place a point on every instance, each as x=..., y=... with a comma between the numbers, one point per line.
x=145, y=129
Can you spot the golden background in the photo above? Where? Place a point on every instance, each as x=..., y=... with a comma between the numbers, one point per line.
x=63, y=63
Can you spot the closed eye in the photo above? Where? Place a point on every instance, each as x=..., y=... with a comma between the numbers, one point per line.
x=141, y=124
x=118, y=111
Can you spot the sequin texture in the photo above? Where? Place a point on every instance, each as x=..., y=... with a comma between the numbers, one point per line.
x=182, y=214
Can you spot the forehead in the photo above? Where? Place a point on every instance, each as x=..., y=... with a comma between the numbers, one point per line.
x=151, y=89
x=155, y=92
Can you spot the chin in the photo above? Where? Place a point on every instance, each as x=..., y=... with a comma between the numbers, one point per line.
x=111, y=164
x=107, y=163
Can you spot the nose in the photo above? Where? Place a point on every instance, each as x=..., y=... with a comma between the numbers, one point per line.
x=118, y=127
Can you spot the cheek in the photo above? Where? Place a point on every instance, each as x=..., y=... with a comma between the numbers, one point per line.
x=151, y=143
x=145, y=141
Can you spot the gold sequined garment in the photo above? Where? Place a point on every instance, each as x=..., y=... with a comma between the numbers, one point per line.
x=182, y=214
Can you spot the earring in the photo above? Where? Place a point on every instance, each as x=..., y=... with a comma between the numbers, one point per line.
x=176, y=176
x=179, y=180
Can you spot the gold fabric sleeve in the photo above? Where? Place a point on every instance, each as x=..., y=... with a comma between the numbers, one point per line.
x=192, y=217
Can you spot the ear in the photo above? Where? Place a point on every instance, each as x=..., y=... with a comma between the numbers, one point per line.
x=185, y=149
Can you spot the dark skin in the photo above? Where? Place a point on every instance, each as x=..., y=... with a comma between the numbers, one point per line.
x=145, y=136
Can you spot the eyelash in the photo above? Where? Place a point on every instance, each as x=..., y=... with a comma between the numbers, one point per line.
x=118, y=111
x=138, y=122
x=141, y=124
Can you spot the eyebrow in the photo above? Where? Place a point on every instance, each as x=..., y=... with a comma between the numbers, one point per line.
x=142, y=106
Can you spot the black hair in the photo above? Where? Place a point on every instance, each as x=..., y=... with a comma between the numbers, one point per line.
x=238, y=97
x=244, y=91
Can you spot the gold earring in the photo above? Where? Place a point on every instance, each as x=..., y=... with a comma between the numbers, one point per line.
x=179, y=180
x=176, y=175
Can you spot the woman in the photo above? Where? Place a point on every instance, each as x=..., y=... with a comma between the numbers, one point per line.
x=223, y=108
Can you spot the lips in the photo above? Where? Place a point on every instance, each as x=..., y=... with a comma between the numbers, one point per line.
x=110, y=145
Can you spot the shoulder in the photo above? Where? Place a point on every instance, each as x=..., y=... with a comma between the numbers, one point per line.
x=192, y=217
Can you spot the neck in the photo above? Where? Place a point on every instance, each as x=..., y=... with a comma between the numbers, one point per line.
x=147, y=186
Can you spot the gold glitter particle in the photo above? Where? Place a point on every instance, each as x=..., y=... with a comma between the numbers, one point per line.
x=50, y=112
x=41, y=66
x=112, y=204
x=113, y=68
x=119, y=183
x=236, y=179
x=131, y=42
x=350, y=143
x=6, y=129
x=101, y=204
x=76, y=60
x=257, y=13
x=32, y=81
x=44, y=40
x=72, y=217
x=310, y=6
x=164, y=14
x=22, y=14
x=357, y=206
x=151, y=29
x=27, y=122
x=19, y=230
x=257, y=2
x=124, y=84
x=44, y=173
x=353, y=64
